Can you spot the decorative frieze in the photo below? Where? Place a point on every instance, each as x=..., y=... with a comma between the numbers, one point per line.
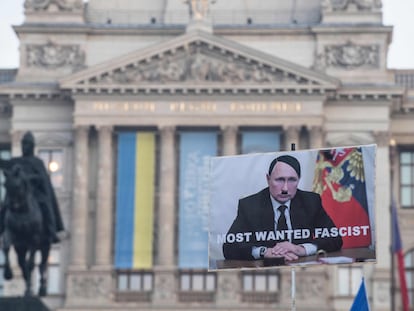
x=349, y=56
x=200, y=108
x=62, y=5
x=54, y=56
x=343, y=5
x=164, y=287
x=90, y=286
x=382, y=138
x=197, y=64
x=227, y=287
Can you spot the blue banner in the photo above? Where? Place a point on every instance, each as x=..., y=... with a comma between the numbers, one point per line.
x=125, y=200
x=195, y=150
x=135, y=200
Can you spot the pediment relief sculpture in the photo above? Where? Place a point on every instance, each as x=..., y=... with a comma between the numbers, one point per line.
x=62, y=5
x=349, y=56
x=197, y=65
x=344, y=5
x=52, y=56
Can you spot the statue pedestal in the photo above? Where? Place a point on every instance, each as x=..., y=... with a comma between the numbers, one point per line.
x=22, y=304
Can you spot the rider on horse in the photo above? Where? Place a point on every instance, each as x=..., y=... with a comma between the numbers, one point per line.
x=41, y=186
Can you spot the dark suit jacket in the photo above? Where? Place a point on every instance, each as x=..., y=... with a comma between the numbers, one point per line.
x=255, y=213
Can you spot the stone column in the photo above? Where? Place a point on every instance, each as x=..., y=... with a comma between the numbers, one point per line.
x=229, y=140
x=382, y=276
x=166, y=214
x=104, y=199
x=165, y=273
x=383, y=188
x=292, y=137
x=80, y=200
x=16, y=137
x=316, y=136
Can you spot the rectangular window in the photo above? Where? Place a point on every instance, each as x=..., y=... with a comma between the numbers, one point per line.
x=409, y=275
x=53, y=160
x=260, y=286
x=407, y=178
x=197, y=286
x=5, y=154
x=134, y=285
x=349, y=280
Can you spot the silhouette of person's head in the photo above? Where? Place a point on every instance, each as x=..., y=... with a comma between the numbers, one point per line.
x=28, y=144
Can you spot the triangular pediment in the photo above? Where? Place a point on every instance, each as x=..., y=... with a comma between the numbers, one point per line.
x=198, y=61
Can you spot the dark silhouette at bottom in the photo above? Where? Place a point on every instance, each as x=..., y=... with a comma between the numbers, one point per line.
x=22, y=304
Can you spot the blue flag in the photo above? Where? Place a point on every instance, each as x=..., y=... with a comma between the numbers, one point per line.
x=361, y=300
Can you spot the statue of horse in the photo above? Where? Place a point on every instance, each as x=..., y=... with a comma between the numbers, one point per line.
x=24, y=229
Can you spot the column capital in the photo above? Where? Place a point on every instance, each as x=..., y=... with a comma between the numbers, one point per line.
x=100, y=128
x=16, y=136
x=292, y=128
x=317, y=134
x=291, y=136
x=82, y=127
x=382, y=138
x=167, y=128
x=229, y=139
x=229, y=127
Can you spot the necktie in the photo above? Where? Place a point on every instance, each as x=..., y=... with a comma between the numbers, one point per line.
x=281, y=222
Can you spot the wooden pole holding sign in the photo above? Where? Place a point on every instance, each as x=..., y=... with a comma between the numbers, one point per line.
x=292, y=271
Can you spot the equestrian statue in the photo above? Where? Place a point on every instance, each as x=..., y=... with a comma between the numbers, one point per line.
x=29, y=214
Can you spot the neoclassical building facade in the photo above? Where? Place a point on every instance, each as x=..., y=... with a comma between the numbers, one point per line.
x=125, y=99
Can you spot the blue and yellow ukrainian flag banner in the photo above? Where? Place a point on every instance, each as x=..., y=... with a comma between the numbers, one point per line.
x=195, y=150
x=135, y=200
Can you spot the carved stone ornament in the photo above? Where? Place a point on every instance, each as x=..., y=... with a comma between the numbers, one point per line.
x=199, y=9
x=196, y=64
x=351, y=56
x=90, y=287
x=52, y=56
x=62, y=5
x=164, y=287
x=343, y=5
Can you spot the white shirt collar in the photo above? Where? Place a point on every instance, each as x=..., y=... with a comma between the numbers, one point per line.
x=276, y=204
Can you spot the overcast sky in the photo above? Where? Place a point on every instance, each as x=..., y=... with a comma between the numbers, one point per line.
x=398, y=13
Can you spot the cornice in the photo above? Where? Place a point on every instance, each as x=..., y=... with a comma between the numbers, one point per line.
x=368, y=93
x=354, y=28
x=99, y=29
x=177, y=29
x=201, y=89
x=36, y=91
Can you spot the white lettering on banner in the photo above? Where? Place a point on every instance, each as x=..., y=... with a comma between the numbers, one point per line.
x=234, y=237
x=341, y=231
x=296, y=234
